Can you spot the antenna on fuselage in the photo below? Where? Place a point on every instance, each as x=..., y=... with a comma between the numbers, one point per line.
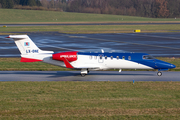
x=102, y=50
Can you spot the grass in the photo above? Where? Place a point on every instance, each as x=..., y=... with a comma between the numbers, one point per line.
x=14, y=64
x=28, y=16
x=89, y=100
x=35, y=16
x=94, y=28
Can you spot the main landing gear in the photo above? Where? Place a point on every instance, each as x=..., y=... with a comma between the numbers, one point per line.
x=84, y=72
x=83, y=75
x=159, y=73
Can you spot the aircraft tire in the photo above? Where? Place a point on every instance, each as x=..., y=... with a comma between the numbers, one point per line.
x=159, y=73
x=83, y=75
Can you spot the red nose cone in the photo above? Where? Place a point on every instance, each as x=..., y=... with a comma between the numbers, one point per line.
x=70, y=56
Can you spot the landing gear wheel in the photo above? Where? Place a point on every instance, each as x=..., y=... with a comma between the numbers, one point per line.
x=159, y=73
x=83, y=75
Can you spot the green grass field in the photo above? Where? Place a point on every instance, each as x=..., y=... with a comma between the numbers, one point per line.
x=93, y=28
x=28, y=16
x=89, y=100
x=34, y=16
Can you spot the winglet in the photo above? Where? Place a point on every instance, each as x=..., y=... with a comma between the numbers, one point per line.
x=66, y=62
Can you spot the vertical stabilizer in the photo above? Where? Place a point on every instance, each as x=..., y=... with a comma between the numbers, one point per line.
x=29, y=51
x=26, y=45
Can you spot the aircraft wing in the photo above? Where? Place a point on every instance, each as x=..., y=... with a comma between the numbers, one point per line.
x=84, y=66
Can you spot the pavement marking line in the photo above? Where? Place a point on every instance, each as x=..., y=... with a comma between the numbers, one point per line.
x=38, y=44
x=77, y=36
x=131, y=43
x=156, y=36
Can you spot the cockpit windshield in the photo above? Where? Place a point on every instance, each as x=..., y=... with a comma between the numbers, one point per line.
x=148, y=57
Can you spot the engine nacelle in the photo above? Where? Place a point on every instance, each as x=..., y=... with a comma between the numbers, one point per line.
x=70, y=56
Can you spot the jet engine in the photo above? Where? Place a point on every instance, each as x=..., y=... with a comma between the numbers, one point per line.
x=70, y=56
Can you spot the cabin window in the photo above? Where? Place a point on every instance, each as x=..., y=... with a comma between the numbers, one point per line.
x=129, y=57
x=148, y=57
x=90, y=57
x=100, y=57
x=111, y=57
x=123, y=57
x=106, y=57
x=117, y=57
x=95, y=57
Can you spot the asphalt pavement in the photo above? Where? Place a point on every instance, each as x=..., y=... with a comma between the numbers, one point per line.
x=92, y=76
x=156, y=44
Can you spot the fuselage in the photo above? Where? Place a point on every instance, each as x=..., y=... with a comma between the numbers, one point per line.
x=114, y=61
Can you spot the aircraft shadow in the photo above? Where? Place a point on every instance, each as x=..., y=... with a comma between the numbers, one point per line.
x=98, y=73
x=52, y=74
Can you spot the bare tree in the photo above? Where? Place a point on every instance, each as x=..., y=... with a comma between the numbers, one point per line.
x=163, y=11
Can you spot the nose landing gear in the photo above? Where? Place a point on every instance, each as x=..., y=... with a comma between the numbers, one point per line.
x=159, y=73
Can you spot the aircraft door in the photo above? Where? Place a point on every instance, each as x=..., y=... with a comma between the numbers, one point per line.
x=155, y=64
x=101, y=58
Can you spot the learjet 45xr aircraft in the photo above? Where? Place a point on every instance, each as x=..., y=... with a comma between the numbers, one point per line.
x=88, y=61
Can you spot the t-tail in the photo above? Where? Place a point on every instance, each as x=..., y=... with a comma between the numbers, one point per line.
x=29, y=51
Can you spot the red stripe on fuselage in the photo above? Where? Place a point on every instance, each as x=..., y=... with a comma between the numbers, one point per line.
x=66, y=62
x=29, y=60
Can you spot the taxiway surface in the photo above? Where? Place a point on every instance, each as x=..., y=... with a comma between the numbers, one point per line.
x=92, y=76
x=156, y=44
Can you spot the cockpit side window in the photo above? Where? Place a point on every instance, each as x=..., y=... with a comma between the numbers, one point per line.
x=117, y=57
x=129, y=57
x=148, y=57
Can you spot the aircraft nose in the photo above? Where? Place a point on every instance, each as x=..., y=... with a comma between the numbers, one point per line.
x=165, y=65
x=169, y=66
x=172, y=66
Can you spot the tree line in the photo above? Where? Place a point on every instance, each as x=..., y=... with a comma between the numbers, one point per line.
x=143, y=8
x=11, y=3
